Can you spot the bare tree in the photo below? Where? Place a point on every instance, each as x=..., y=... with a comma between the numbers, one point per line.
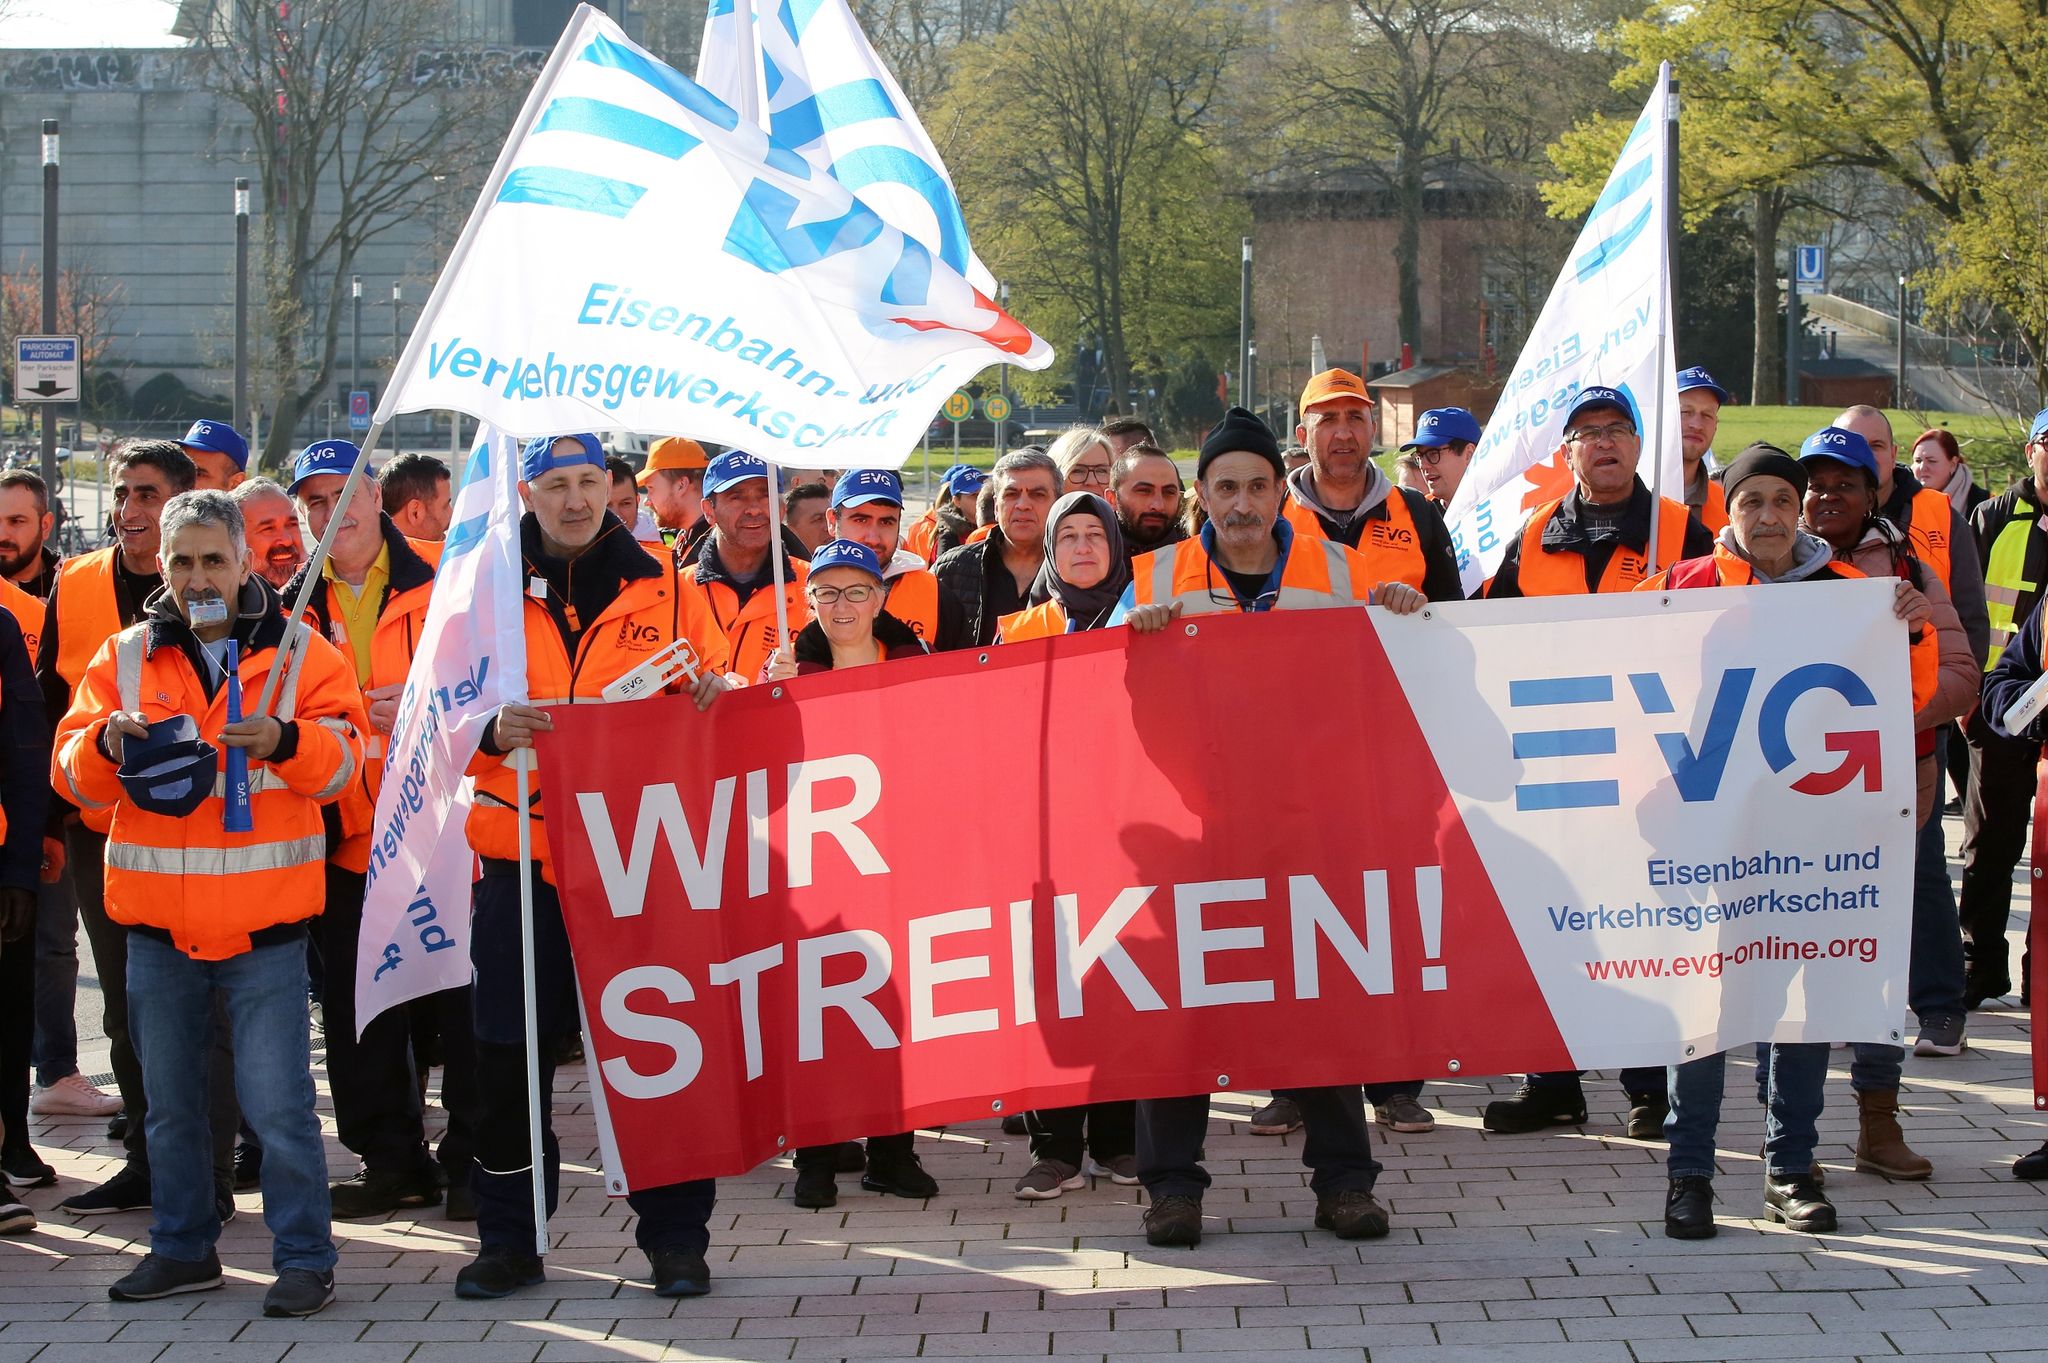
x=353, y=127
x=916, y=38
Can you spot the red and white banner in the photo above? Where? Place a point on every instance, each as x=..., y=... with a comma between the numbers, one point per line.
x=1252, y=852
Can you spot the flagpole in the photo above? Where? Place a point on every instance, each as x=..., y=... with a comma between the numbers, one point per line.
x=288, y=655
x=522, y=764
x=1664, y=375
x=775, y=553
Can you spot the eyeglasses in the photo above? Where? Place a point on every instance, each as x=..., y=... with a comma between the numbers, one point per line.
x=1435, y=454
x=1595, y=435
x=832, y=596
x=1088, y=473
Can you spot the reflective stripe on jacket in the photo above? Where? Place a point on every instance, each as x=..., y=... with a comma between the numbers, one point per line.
x=1389, y=545
x=1312, y=573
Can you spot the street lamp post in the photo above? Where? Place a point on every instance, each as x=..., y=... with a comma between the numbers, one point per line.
x=355, y=343
x=395, y=327
x=50, y=291
x=1003, y=380
x=242, y=307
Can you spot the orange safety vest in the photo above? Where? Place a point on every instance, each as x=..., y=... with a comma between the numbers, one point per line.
x=647, y=615
x=1389, y=545
x=1316, y=573
x=1714, y=514
x=88, y=614
x=749, y=630
x=914, y=599
x=1928, y=529
x=923, y=533
x=978, y=535
x=1564, y=573
x=1043, y=621
x=28, y=611
x=206, y=887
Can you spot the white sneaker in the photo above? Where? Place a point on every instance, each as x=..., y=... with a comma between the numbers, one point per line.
x=15, y=1218
x=73, y=1096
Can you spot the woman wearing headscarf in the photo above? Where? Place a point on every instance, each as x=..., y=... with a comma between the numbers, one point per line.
x=1084, y=573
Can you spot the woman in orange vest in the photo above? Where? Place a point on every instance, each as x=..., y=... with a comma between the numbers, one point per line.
x=850, y=629
x=1085, y=572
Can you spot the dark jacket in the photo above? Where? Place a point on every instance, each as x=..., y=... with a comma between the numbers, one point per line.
x=1567, y=532
x=2018, y=668
x=1965, y=560
x=24, y=763
x=965, y=575
x=953, y=531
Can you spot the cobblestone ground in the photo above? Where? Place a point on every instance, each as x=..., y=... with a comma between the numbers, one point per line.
x=1526, y=1247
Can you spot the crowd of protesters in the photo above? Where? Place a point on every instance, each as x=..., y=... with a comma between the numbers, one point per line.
x=219, y=953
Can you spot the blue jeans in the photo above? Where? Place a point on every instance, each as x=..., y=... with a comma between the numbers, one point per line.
x=1795, y=1076
x=170, y=1015
x=1934, y=976
x=56, y=947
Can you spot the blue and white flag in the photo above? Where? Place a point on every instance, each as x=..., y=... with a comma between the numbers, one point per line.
x=1607, y=322
x=804, y=71
x=471, y=659
x=645, y=258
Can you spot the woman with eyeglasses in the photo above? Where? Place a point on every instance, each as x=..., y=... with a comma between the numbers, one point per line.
x=1085, y=571
x=1084, y=458
x=849, y=628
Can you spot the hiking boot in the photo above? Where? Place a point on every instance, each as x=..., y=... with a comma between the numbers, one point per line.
x=16, y=1218
x=1940, y=1034
x=1880, y=1146
x=1405, y=1113
x=375, y=1192
x=24, y=1168
x=73, y=1096
x=298, y=1292
x=899, y=1176
x=1174, y=1221
x=248, y=1166
x=1536, y=1106
x=157, y=1276
x=1121, y=1170
x=1047, y=1179
x=815, y=1187
x=1278, y=1118
x=1353, y=1214
x=1013, y=1125
x=2032, y=1166
x=1646, y=1114
x=498, y=1273
x=1798, y=1202
x=1689, y=1208
x=679, y=1273
x=850, y=1157
x=1817, y=1173
x=126, y=1191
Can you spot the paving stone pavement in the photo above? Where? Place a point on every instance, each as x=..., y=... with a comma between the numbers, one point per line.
x=1532, y=1248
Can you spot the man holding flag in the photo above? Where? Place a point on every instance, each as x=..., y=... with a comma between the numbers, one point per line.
x=597, y=606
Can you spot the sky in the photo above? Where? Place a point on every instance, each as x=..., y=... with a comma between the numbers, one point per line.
x=88, y=23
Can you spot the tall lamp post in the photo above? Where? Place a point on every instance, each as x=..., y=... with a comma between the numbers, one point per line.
x=355, y=338
x=242, y=307
x=50, y=289
x=395, y=296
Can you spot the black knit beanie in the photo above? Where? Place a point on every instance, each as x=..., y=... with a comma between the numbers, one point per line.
x=1240, y=431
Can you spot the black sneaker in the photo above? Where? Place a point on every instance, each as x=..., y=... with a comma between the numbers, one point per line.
x=849, y=1157
x=1536, y=1106
x=248, y=1167
x=815, y=1188
x=1799, y=1203
x=1281, y=1117
x=1646, y=1114
x=679, y=1273
x=2033, y=1165
x=1174, y=1221
x=157, y=1276
x=298, y=1292
x=1351, y=1215
x=24, y=1168
x=126, y=1191
x=224, y=1201
x=899, y=1176
x=373, y=1193
x=16, y=1218
x=1985, y=986
x=1013, y=1125
x=1689, y=1208
x=498, y=1273
x=117, y=1125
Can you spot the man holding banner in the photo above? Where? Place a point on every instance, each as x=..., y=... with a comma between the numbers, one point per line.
x=597, y=607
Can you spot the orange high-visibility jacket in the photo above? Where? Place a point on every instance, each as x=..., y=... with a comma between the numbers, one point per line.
x=1312, y=573
x=87, y=614
x=1043, y=621
x=27, y=611
x=750, y=629
x=923, y=534
x=914, y=599
x=207, y=889
x=649, y=613
x=400, y=618
x=1928, y=530
x=1560, y=573
x=1713, y=513
x=1389, y=546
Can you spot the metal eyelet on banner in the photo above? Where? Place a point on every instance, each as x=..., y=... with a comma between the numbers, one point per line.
x=1223, y=1081
x=777, y=692
x=781, y=1141
x=996, y=1106
x=1454, y=1067
x=1905, y=813
x=1429, y=615
x=982, y=659
x=1663, y=600
x=1688, y=1050
x=1193, y=630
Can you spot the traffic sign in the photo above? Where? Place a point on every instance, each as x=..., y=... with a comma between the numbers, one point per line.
x=46, y=369
x=959, y=407
x=996, y=406
x=359, y=410
x=1810, y=269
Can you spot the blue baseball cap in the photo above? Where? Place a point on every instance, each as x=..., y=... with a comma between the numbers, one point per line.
x=1697, y=377
x=542, y=455
x=964, y=479
x=2040, y=426
x=220, y=438
x=731, y=469
x=858, y=487
x=1588, y=398
x=324, y=456
x=846, y=554
x=1843, y=447
x=170, y=770
x=1444, y=426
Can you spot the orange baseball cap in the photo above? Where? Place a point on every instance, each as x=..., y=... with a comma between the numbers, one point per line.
x=673, y=452
x=1333, y=384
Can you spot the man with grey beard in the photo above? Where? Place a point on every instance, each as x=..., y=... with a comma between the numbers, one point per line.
x=276, y=546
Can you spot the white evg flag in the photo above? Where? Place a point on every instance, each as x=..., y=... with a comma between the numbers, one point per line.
x=471, y=659
x=1606, y=323
x=643, y=257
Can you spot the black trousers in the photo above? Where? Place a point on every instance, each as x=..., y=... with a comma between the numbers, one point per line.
x=1336, y=1143
x=377, y=1109
x=1995, y=812
x=86, y=852
x=17, y=1037
x=879, y=1148
x=673, y=1217
x=1106, y=1130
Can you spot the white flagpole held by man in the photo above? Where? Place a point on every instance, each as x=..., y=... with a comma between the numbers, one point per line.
x=1668, y=189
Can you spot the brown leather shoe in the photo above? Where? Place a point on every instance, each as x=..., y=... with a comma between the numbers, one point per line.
x=1880, y=1146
